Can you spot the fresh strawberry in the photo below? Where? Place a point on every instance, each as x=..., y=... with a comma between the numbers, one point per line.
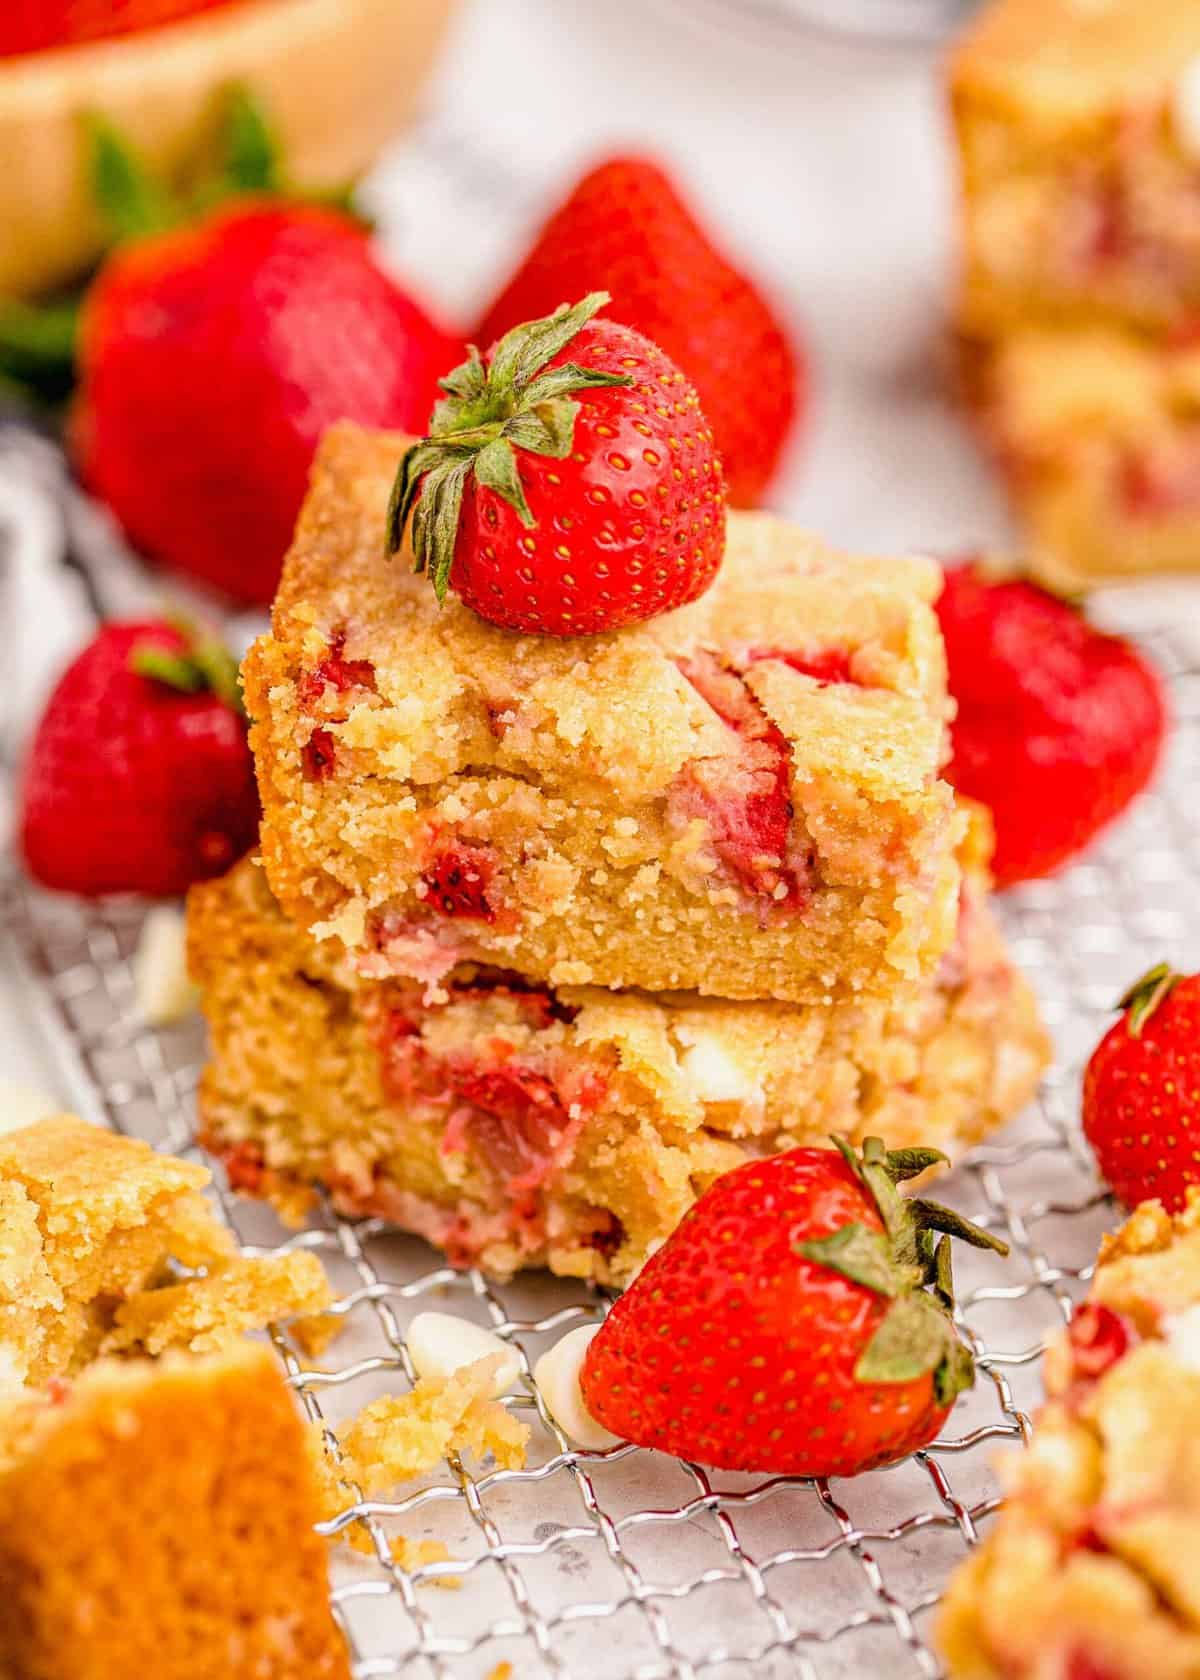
x=625, y=228
x=139, y=777
x=1141, y=1092
x=212, y=358
x=569, y=484
x=37, y=25
x=798, y=1320
x=1059, y=726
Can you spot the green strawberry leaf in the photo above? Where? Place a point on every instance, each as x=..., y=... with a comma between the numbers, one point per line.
x=487, y=415
x=131, y=201
x=914, y=1337
x=253, y=160
x=861, y=1255
x=37, y=346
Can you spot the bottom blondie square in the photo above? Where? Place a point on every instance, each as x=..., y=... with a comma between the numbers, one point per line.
x=157, y=1519
x=1093, y=1569
x=1097, y=432
x=515, y=1124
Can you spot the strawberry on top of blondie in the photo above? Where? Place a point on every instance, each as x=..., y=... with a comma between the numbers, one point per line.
x=741, y=796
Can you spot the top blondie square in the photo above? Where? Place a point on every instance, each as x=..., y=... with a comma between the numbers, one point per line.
x=741, y=797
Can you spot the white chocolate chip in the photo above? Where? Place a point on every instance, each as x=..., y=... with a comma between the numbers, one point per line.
x=441, y=1343
x=1181, y=1332
x=24, y=1105
x=557, y=1376
x=1185, y=108
x=161, y=985
x=711, y=1073
x=13, y=1371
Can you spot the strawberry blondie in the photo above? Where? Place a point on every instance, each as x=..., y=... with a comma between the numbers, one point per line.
x=1078, y=130
x=741, y=797
x=515, y=1123
x=157, y=1518
x=1097, y=431
x=1093, y=1569
x=106, y=1246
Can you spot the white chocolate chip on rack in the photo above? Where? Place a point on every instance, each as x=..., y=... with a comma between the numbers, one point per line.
x=557, y=1376
x=441, y=1343
x=1185, y=108
x=161, y=985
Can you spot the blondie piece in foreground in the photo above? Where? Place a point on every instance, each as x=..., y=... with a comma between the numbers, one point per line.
x=156, y=1519
x=515, y=1124
x=1078, y=128
x=1093, y=1569
x=93, y=1229
x=740, y=797
x=1097, y=430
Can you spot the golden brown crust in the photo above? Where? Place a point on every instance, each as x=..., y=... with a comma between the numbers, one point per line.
x=571, y=762
x=157, y=1519
x=674, y=1089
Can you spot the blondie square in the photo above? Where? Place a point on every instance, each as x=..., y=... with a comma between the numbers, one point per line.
x=157, y=1519
x=1093, y=1567
x=1078, y=132
x=740, y=797
x=94, y=1231
x=1097, y=431
x=514, y=1123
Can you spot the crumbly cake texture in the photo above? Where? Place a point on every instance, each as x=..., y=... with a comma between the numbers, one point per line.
x=403, y=1435
x=740, y=797
x=519, y=1125
x=90, y=1224
x=157, y=1518
x=1078, y=136
x=1093, y=1567
x=1097, y=431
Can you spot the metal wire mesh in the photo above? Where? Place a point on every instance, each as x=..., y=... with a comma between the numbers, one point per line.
x=626, y=1564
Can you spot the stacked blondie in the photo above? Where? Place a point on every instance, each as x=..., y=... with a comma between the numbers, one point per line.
x=547, y=933
x=1078, y=130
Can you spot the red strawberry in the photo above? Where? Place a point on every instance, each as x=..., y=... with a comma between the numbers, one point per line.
x=1141, y=1092
x=798, y=1321
x=211, y=360
x=569, y=484
x=1059, y=726
x=37, y=25
x=139, y=778
x=625, y=228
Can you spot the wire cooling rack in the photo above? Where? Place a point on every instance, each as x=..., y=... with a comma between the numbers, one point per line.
x=627, y=1565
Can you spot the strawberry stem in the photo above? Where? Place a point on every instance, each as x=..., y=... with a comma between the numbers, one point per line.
x=205, y=665
x=909, y=1266
x=1145, y=995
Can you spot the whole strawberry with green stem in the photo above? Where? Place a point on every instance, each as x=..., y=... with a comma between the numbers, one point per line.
x=139, y=776
x=1141, y=1091
x=569, y=483
x=798, y=1321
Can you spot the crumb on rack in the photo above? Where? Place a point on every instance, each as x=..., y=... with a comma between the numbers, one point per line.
x=403, y=1435
x=206, y=1313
